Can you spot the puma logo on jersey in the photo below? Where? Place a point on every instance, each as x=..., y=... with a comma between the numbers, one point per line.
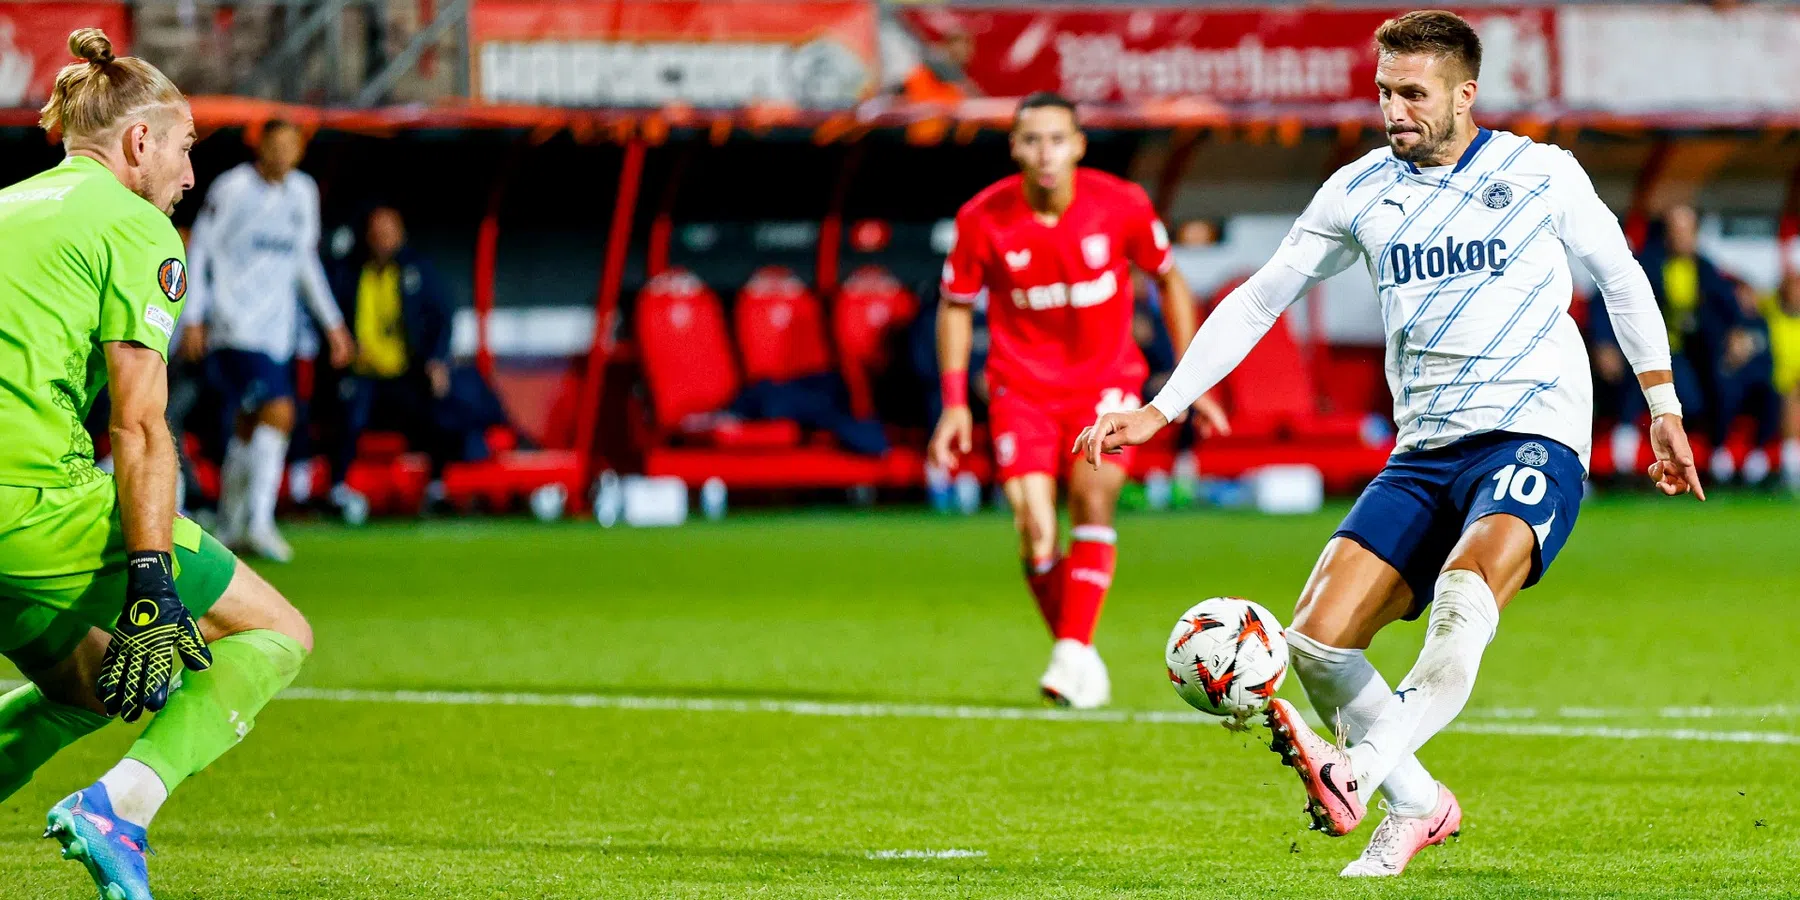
x=1395, y=204
x=1416, y=261
x=1079, y=295
x=1018, y=259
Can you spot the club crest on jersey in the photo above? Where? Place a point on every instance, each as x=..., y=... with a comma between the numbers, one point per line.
x=1533, y=454
x=1497, y=195
x=1410, y=262
x=1096, y=249
x=1018, y=259
x=171, y=277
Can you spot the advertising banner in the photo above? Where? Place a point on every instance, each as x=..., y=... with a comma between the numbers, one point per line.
x=34, y=44
x=1291, y=55
x=708, y=54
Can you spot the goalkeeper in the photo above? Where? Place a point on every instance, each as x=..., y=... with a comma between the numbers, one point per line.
x=104, y=593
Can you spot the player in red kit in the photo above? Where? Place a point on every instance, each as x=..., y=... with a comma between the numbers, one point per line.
x=1053, y=248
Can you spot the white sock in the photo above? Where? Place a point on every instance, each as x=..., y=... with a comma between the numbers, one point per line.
x=1625, y=442
x=1756, y=466
x=136, y=791
x=234, y=485
x=1463, y=619
x=1723, y=466
x=1344, y=686
x=268, y=454
x=300, y=480
x=1790, y=462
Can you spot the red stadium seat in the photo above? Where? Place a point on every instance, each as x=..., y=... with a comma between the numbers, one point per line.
x=686, y=354
x=871, y=305
x=780, y=328
x=1271, y=394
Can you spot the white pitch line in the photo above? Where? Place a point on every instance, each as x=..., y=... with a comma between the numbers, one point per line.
x=926, y=854
x=987, y=713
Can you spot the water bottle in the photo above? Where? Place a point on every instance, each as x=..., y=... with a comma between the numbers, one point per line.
x=609, y=500
x=549, y=501
x=968, y=493
x=937, y=488
x=1158, y=489
x=712, y=499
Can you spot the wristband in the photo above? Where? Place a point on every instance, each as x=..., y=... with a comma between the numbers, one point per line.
x=149, y=573
x=954, y=388
x=1663, y=400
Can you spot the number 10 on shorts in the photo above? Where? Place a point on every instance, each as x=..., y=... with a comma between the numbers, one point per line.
x=1526, y=484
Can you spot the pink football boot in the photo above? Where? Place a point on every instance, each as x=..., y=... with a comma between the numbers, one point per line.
x=1324, y=768
x=1399, y=838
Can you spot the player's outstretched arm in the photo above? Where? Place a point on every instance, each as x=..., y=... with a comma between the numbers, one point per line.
x=1243, y=317
x=953, y=437
x=1179, y=315
x=1591, y=232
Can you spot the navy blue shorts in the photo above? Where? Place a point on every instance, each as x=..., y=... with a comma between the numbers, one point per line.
x=1414, y=512
x=247, y=381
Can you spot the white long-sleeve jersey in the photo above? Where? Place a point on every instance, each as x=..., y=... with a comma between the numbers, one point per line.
x=253, y=253
x=1470, y=267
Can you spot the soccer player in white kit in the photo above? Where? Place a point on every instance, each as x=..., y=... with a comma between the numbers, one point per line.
x=254, y=249
x=1465, y=233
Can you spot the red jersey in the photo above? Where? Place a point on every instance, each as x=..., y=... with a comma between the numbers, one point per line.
x=1059, y=296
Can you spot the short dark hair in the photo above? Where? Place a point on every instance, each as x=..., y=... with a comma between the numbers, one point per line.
x=1045, y=100
x=278, y=124
x=1435, y=32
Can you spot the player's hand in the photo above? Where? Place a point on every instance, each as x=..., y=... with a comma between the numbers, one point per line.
x=1210, y=416
x=153, y=631
x=954, y=437
x=1113, y=431
x=1674, y=471
x=439, y=375
x=343, y=347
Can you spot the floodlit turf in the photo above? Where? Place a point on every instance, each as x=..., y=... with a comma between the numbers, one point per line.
x=1654, y=604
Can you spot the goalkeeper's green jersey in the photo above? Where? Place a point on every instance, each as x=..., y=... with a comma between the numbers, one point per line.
x=83, y=261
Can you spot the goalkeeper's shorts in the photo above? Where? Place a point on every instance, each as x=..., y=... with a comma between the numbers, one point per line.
x=62, y=568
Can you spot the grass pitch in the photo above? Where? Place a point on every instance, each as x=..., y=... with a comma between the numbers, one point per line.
x=842, y=705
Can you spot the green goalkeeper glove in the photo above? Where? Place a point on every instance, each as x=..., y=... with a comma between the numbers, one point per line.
x=152, y=630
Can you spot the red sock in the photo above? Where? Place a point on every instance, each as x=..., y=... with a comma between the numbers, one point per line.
x=1087, y=573
x=1044, y=577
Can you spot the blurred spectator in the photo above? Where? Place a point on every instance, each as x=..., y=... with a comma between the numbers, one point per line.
x=1782, y=314
x=1151, y=333
x=1744, y=384
x=1698, y=303
x=401, y=377
x=1197, y=233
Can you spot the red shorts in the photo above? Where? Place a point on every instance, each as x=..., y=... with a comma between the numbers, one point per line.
x=1037, y=436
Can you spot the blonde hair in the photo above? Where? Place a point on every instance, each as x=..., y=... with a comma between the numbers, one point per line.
x=92, y=96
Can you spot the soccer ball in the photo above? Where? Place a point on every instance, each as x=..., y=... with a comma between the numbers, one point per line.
x=1227, y=657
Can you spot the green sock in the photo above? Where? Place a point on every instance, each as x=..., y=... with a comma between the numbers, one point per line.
x=212, y=710
x=33, y=729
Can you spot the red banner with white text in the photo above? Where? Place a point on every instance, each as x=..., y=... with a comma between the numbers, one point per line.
x=34, y=44
x=1279, y=56
x=652, y=53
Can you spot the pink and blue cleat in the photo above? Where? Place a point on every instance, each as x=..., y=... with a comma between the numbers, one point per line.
x=111, y=848
x=1324, y=768
x=1399, y=838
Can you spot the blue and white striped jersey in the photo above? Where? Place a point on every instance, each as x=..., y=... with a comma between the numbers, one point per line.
x=1470, y=266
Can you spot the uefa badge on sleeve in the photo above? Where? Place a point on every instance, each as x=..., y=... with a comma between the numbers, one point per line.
x=171, y=277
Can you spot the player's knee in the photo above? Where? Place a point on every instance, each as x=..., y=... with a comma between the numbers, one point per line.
x=1092, y=507
x=278, y=414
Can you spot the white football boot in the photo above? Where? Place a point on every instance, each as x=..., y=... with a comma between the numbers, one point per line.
x=1076, y=677
x=1399, y=838
x=268, y=543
